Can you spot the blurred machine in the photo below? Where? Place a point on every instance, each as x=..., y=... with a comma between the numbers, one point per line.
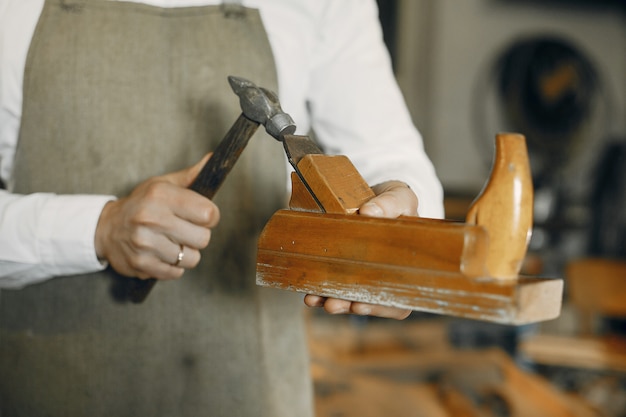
x=553, y=71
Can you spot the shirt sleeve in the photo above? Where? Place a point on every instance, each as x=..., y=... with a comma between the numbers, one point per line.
x=357, y=108
x=47, y=235
x=41, y=235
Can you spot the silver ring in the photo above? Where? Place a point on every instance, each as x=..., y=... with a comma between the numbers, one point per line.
x=181, y=255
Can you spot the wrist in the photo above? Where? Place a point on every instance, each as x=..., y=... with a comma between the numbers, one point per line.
x=101, y=232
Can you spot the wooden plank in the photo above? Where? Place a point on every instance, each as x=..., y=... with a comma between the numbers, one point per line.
x=577, y=352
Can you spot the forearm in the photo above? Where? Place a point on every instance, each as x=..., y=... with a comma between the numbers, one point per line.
x=357, y=108
x=47, y=235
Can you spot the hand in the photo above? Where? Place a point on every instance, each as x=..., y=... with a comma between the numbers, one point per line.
x=140, y=235
x=393, y=199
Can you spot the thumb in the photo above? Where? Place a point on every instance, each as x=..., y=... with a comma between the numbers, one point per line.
x=185, y=177
x=393, y=199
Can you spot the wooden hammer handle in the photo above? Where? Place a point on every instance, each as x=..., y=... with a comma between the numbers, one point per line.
x=224, y=157
x=208, y=182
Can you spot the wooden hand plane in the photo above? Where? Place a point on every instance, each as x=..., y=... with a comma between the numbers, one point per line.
x=322, y=246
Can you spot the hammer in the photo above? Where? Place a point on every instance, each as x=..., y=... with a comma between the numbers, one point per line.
x=259, y=107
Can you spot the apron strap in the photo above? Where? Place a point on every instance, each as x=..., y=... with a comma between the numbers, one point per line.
x=233, y=9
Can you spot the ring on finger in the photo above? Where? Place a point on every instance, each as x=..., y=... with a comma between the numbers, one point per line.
x=181, y=255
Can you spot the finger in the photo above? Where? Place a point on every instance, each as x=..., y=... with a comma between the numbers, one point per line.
x=148, y=265
x=152, y=227
x=182, y=256
x=159, y=249
x=393, y=199
x=156, y=200
x=187, y=233
x=154, y=255
x=162, y=272
x=365, y=309
x=193, y=206
x=314, y=300
x=337, y=306
x=176, y=211
x=196, y=209
x=185, y=203
x=185, y=177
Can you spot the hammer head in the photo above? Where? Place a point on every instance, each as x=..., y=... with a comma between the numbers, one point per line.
x=262, y=106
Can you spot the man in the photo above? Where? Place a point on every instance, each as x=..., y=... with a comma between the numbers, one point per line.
x=102, y=105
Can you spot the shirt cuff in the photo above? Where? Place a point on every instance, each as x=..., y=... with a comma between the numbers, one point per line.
x=67, y=233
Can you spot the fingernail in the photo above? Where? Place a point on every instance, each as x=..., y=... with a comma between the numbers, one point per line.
x=371, y=209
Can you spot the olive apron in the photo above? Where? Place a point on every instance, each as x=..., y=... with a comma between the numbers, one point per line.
x=115, y=93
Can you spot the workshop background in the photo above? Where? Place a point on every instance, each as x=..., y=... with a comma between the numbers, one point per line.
x=556, y=72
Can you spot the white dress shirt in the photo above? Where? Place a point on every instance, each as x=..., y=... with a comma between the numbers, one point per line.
x=334, y=75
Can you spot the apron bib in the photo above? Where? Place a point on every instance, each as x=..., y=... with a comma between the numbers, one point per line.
x=114, y=93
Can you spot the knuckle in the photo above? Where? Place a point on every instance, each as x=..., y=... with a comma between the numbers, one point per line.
x=139, y=240
x=155, y=190
x=138, y=263
x=210, y=214
x=145, y=217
